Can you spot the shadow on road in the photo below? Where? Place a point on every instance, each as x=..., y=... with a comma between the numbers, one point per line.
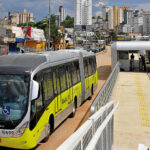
x=104, y=72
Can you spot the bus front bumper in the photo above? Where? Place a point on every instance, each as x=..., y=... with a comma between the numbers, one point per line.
x=26, y=141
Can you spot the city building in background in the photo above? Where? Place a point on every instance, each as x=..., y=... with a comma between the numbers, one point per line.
x=115, y=10
x=120, y=16
x=105, y=10
x=62, y=13
x=83, y=12
x=110, y=18
x=146, y=23
x=138, y=24
x=20, y=18
x=57, y=19
x=124, y=8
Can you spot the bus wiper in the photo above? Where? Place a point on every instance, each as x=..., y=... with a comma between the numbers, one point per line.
x=11, y=121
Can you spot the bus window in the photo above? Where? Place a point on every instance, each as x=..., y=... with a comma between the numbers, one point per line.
x=74, y=74
x=55, y=83
x=93, y=64
x=95, y=67
x=58, y=82
x=85, y=68
x=90, y=67
x=78, y=71
x=47, y=88
x=62, y=79
x=68, y=76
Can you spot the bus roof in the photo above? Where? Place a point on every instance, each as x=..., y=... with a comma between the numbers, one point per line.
x=131, y=45
x=28, y=62
x=77, y=51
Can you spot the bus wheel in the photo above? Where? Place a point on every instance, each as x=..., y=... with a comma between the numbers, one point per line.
x=74, y=109
x=49, y=129
x=91, y=93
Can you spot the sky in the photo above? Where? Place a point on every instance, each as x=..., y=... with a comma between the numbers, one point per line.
x=40, y=7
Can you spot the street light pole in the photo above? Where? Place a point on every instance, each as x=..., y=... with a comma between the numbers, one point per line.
x=49, y=31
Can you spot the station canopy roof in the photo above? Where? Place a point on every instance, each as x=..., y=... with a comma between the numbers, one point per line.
x=131, y=45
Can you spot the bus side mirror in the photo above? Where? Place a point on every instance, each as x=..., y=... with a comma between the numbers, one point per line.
x=35, y=90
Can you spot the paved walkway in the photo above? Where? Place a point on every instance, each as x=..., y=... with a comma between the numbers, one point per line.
x=132, y=119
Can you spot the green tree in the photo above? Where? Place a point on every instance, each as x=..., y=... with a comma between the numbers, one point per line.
x=112, y=33
x=99, y=35
x=30, y=24
x=55, y=34
x=68, y=22
x=122, y=33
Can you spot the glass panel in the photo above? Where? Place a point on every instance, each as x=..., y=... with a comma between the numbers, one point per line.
x=74, y=74
x=78, y=71
x=68, y=76
x=48, y=86
x=63, y=79
x=90, y=67
x=123, y=55
x=55, y=83
x=85, y=68
x=13, y=96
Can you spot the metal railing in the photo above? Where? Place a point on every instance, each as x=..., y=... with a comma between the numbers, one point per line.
x=104, y=94
x=101, y=120
x=103, y=137
x=143, y=147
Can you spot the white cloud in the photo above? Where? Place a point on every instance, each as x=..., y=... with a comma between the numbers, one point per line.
x=98, y=13
x=145, y=6
x=99, y=3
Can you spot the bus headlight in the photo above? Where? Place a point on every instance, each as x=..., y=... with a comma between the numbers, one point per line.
x=21, y=130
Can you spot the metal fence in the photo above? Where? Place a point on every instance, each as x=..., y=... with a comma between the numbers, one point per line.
x=103, y=96
x=87, y=133
x=103, y=137
x=143, y=147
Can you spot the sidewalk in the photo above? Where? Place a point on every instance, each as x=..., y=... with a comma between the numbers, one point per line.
x=132, y=119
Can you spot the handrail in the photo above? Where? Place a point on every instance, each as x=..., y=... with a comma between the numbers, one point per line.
x=82, y=137
x=96, y=142
x=104, y=94
x=143, y=147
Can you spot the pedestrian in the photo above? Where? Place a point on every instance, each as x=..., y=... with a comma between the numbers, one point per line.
x=132, y=62
x=132, y=57
x=143, y=62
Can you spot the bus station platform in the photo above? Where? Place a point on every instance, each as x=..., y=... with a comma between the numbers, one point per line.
x=132, y=119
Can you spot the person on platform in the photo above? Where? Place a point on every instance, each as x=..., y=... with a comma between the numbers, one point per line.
x=132, y=62
x=143, y=62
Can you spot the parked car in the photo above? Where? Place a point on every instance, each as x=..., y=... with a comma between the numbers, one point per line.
x=94, y=49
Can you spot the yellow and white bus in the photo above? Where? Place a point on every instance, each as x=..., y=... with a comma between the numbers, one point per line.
x=38, y=91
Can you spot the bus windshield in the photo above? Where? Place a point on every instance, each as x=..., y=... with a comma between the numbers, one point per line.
x=13, y=97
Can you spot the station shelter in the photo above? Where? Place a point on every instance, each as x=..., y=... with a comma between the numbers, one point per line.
x=132, y=55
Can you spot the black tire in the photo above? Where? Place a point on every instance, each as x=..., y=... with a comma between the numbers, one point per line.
x=50, y=129
x=49, y=133
x=74, y=109
x=91, y=93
